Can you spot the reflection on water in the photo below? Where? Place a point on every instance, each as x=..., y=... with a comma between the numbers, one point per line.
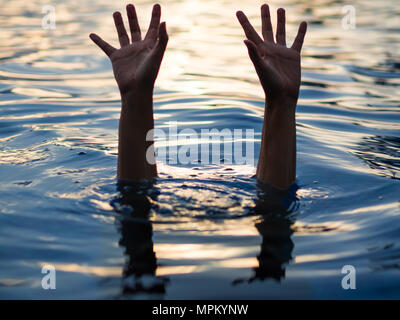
x=275, y=226
x=201, y=226
x=276, y=248
x=136, y=239
x=139, y=274
x=381, y=154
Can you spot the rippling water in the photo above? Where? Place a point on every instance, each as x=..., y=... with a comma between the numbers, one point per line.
x=203, y=238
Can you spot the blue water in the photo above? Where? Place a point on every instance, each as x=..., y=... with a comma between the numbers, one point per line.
x=197, y=232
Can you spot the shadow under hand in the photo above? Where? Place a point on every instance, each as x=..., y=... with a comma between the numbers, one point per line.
x=275, y=226
x=139, y=274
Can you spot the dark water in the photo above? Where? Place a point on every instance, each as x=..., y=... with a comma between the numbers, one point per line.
x=202, y=236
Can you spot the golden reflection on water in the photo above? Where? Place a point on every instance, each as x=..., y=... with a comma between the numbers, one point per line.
x=194, y=251
x=195, y=63
x=90, y=270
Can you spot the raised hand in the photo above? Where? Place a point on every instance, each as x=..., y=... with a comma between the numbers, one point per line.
x=137, y=62
x=277, y=66
x=136, y=65
x=279, y=70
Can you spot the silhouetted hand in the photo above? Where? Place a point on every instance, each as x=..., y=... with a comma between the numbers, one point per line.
x=277, y=66
x=136, y=64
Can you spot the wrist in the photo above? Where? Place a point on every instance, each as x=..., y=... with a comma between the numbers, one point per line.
x=137, y=99
x=137, y=110
x=281, y=106
x=283, y=100
x=137, y=93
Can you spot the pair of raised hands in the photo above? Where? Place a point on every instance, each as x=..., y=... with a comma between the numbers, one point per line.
x=137, y=62
x=136, y=65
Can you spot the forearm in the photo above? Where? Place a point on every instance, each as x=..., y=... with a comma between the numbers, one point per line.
x=277, y=161
x=135, y=122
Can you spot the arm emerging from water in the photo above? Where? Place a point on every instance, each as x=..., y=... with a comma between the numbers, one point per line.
x=136, y=65
x=279, y=70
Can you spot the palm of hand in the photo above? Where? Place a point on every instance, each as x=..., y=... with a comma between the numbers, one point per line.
x=278, y=67
x=132, y=66
x=280, y=70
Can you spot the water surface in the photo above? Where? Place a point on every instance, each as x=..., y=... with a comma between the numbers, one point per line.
x=197, y=232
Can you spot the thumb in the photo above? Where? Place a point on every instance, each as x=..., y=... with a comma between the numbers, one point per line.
x=162, y=42
x=253, y=53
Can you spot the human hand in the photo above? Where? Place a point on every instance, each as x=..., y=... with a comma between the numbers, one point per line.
x=136, y=64
x=278, y=67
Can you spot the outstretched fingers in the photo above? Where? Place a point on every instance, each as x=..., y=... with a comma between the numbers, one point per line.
x=298, y=42
x=280, y=31
x=266, y=24
x=103, y=45
x=251, y=34
x=133, y=23
x=152, y=33
x=119, y=24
